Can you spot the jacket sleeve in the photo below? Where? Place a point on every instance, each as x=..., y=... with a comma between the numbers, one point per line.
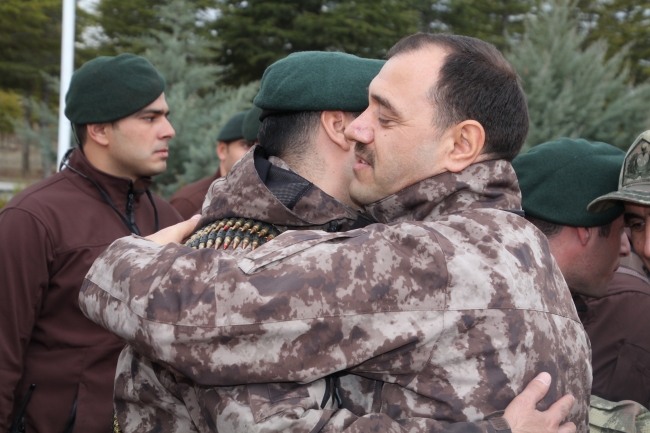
x=184, y=207
x=147, y=397
x=312, y=305
x=25, y=257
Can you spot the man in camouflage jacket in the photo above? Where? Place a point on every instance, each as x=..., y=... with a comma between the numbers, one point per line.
x=453, y=305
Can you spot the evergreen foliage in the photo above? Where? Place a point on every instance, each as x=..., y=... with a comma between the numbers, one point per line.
x=30, y=38
x=10, y=111
x=573, y=91
x=199, y=105
x=494, y=21
x=256, y=33
x=623, y=23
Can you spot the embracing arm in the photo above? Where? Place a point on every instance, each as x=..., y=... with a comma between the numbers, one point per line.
x=299, y=308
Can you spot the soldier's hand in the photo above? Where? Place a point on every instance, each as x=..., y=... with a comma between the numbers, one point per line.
x=175, y=233
x=524, y=418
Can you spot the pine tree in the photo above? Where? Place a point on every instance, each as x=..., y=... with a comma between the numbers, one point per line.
x=256, y=33
x=574, y=91
x=623, y=23
x=199, y=104
x=493, y=21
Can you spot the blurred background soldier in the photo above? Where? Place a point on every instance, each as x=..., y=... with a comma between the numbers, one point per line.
x=559, y=180
x=55, y=230
x=618, y=324
x=231, y=147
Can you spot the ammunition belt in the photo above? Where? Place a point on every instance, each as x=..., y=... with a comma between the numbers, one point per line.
x=233, y=232
x=116, y=425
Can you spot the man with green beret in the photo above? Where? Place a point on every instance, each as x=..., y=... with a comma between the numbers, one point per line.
x=51, y=233
x=618, y=323
x=569, y=192
x=558, y=180
x=231, y=146
x=428, y=304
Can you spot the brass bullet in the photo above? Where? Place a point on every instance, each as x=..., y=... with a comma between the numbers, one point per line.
x=247, y=225
x=238, y=224
x=229, y=236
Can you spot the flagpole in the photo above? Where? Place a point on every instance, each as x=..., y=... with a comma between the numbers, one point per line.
x=67, y=66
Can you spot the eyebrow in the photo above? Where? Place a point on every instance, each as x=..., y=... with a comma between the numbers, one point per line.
x=385, y=103
x=630, y=215
x=153, y=111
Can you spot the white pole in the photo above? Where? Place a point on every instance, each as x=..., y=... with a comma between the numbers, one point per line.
x=67, y=65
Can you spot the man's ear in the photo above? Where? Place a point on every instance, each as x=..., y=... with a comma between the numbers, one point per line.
x=98, y=132
x=585, y=234
x=468, y=142
x=222, y=150
x=334, y=124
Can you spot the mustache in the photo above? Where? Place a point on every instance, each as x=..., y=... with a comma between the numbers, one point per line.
x=365, y=152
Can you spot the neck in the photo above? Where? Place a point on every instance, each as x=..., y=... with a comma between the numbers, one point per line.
x=98, y=157
x=329, y=173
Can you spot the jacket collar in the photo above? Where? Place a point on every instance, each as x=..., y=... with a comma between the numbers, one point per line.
x=243, y=193
x=117, y=188
x=488, y=184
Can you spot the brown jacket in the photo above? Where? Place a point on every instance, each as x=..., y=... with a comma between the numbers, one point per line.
x=618, y=326
x=50, y=234
x=189, y=199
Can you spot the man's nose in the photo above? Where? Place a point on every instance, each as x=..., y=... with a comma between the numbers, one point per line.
x=360, y=129
x=625, y=245
x=167, y=131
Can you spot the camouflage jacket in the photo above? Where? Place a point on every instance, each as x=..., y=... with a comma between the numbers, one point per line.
x=453, y=305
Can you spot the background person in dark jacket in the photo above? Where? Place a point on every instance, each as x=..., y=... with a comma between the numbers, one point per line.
x=52, y=232
x=231, y=147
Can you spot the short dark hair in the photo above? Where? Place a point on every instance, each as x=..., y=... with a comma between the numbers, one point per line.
x=288, y=135
x=81, y=132
x=476, y=82
x=551, y=229
x=548, y=228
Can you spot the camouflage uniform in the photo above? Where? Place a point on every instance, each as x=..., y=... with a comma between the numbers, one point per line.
x=453, y=305
x=625, y=416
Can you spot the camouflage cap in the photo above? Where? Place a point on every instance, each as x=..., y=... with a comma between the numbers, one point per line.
x=560, y=178
x=317, y=81
x=634, y=180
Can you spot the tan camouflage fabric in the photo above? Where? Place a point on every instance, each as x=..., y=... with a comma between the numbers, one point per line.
x=454, y=305
x=634, y=181
x=625, y=416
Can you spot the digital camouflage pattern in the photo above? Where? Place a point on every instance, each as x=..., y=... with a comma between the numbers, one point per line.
x=150, y=397
x=625, y=416
x=634, y=181
x=454, y=305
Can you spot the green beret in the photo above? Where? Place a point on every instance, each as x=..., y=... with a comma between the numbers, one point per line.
x=251, y=124
x=560, y=178
x=106, y=89
x=232, y=129
x=634, y=181
x=317, y=81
